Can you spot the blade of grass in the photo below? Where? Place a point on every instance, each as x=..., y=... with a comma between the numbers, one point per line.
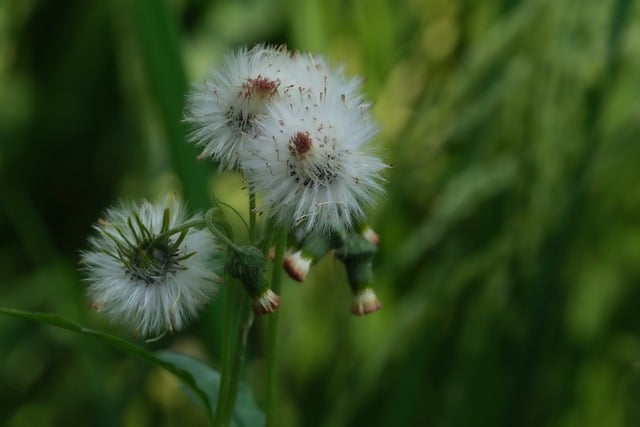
x=158, y=38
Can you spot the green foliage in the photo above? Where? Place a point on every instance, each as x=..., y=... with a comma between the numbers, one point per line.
x=201, y=380
x=510, y=243
x=246, y=412
x=194, y=374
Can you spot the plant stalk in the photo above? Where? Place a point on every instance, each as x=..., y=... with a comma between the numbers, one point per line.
x=272, y=333
x=227, y=354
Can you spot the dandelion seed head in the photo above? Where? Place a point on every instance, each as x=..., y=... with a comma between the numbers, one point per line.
x=312, y=161
x=154, y=285
x=224, y=109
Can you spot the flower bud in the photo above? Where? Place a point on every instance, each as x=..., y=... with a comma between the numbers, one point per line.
x=266, y=303
x=369, y=234
x=297, y=265
x=364, y=302
x=357, y=254
x=313, y=247
x=246, y=264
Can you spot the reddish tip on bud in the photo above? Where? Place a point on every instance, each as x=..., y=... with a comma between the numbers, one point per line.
x=365, y=302
x=371, y=235
x=266, y=303
x=297, y=265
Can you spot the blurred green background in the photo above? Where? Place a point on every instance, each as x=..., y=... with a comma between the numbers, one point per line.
x=509, y=266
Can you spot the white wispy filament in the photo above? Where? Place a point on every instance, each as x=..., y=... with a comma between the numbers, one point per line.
x=311, y=159
x=140, y=275
x=224, y=109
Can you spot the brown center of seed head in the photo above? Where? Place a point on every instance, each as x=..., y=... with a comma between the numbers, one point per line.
x=261, y=86
x=300, y=144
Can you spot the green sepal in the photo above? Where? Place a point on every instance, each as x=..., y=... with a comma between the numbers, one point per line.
x=357, y=253
x=314, y=246
x=246, y=263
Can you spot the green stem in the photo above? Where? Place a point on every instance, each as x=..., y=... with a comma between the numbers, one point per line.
x=211, y=225
x=227, y=354
x=236, y=329
x=245, y=319
x=272, y=333
x=235, y=332
x=252, y=216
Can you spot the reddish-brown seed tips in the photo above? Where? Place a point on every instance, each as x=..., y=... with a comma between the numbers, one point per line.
x=297, y=265
x=365, y=302
x=300, y=144
x=266, y=303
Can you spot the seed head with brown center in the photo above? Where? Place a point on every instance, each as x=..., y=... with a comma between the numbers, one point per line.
x=300, y=144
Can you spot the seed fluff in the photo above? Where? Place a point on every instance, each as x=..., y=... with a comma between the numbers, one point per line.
x=310, y=159
x=142, y=274
x=224, y=110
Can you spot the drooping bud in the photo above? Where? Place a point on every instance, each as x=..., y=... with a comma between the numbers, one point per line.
x=246, y=264
x=313, y=247
x=266, y=303
x=364, y=302
x=297, y=265
x=357, y=253
x=369, y=234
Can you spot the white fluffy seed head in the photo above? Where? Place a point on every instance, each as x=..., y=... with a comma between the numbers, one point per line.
x=153, y=288
x=310, y=158
x=224, y=109
x=319, y=78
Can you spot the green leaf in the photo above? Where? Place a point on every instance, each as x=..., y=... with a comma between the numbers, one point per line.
x=246, y=412
x=206, y=378
x=186, y=375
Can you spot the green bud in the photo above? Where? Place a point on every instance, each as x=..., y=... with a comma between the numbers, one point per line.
x=246, y=264
x=312, y=248
x=357, y=253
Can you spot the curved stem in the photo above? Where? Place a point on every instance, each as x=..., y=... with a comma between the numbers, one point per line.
x=211, y=225
x=232, y=209
x=272, y=333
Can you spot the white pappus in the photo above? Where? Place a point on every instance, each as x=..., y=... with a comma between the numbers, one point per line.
x=143, y=273
x=310, y=160
x=224, y=109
